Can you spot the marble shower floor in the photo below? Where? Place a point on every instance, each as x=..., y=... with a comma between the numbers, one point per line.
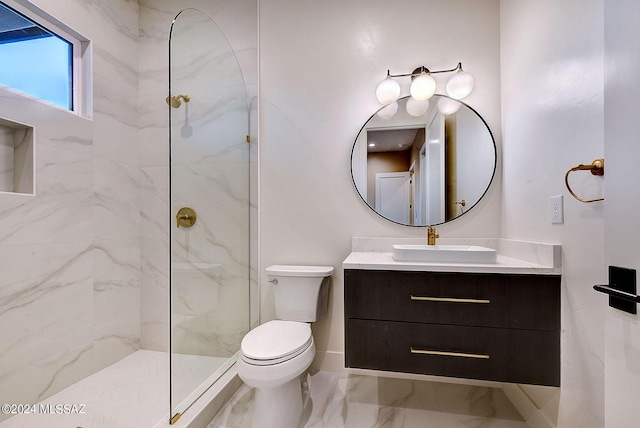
x=132, y=393
x=368, y=402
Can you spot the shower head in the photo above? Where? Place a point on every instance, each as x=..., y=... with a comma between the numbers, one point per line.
x=174, y=101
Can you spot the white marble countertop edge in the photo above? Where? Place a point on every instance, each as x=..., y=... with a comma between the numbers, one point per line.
x=514, y=257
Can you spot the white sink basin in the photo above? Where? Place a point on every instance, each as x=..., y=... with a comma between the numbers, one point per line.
x=444, y=253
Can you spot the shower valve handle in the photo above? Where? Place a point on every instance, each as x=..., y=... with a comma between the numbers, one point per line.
x=186, y=217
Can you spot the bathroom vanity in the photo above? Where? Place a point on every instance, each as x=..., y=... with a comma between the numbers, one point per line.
x=496, y=321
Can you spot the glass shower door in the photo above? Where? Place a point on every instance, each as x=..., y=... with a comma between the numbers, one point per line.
x=209, y=197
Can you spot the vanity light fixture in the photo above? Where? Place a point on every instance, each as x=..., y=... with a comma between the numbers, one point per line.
x=423, y=85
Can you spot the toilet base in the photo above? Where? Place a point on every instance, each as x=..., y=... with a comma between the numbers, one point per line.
x=279, y=407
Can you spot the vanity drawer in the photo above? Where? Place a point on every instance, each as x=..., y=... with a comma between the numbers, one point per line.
x=492, y=300
x=507, y=355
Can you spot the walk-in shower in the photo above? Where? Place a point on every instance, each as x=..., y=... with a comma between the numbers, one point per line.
x=126, y=288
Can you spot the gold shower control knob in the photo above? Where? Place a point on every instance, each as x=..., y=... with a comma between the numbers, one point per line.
x=186, y=217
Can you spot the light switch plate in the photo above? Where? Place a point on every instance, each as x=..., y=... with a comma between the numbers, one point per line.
x=557, y=209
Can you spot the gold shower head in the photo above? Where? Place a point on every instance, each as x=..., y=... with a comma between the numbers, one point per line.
x=175, y=102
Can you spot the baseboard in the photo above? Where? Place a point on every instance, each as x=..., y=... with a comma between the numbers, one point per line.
x=328, y=361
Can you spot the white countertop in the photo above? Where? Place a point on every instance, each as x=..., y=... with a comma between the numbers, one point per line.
x=385, y=261
x=532, y=258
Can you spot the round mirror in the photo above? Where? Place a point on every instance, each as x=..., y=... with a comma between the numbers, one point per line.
x=422, y=163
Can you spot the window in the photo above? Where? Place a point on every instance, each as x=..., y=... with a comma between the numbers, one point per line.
x=41, y=59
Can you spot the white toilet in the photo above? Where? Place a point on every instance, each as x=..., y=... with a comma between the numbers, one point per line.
x=274, y=355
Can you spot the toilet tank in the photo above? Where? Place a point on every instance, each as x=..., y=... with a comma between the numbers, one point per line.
x=301, y=292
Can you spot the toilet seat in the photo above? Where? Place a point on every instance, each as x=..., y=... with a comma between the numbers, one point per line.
x=275, y=342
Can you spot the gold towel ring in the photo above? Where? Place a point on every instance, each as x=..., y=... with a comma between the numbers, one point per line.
x=596, y=168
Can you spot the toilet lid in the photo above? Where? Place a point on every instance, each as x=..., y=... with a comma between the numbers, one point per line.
x=276, y=340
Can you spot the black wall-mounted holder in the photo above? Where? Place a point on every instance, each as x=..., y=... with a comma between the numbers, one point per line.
x=621, y=289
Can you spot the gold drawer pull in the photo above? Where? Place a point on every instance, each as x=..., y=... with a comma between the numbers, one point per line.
x=449, y=354
x=448, y=299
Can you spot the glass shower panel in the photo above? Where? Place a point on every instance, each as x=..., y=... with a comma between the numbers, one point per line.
x=209, y=194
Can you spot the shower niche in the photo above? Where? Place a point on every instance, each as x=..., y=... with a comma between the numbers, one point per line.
x=17, y=158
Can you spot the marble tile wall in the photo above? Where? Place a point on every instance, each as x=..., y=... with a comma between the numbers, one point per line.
x=70, y=283
x=84, y=260
x=209, y=174
x=6, y=159
x=23, y=159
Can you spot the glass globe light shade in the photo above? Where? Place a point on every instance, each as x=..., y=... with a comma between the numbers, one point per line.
x=388, y=111
x=423, y=87
x=448, y=106
x=388, y=91
x=460, y=85
x=416, y=108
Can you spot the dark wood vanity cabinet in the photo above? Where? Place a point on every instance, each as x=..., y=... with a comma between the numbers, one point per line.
x=500, y=327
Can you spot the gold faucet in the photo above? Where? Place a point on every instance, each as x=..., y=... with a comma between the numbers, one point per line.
x=431, y=235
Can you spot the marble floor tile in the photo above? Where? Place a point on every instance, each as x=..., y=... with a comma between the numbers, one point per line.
x=371, y=402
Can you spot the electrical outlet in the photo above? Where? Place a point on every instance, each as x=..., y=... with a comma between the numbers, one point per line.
x=557, y=210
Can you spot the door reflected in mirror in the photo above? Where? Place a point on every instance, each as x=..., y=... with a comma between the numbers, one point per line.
x=423, y=170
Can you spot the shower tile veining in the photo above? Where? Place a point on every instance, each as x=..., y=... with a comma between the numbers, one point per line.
x=368, y=402
x=132, y=393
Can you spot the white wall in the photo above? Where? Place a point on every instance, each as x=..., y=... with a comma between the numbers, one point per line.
x=552, y=119
x=317, y=81
x=622, y=231
x=320, y=63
